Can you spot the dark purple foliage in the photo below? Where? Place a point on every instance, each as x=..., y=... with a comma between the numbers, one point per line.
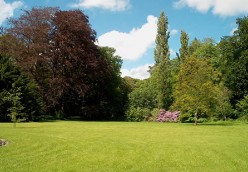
x=167, y=116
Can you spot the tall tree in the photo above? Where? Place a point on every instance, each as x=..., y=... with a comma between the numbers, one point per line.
x=162, y=52
x=74, y=60
x=161, y=71
x=113, y=97
x=205, y=48
x=224, y=108
x=194, y=45
x=184, y=50
x=195, y=91
x=57, y=49
x=208, y=50
x=234, y=61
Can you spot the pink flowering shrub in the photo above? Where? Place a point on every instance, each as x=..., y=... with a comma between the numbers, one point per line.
x=167, y=116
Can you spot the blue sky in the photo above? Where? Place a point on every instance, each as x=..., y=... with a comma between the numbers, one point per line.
x=130, y=25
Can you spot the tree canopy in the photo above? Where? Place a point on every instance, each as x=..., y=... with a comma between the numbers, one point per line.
x=234, y=61
x=51, y=67
x=57, y=50
x=195, y=90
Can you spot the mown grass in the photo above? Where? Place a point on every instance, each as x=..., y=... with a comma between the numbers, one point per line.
x=122, y=146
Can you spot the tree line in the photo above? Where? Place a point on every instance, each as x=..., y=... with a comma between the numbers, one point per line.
x=206, y=81
x=51, y=68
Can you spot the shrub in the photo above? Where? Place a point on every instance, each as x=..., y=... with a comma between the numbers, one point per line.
x=167, y=116
x=242, y=108
x=187, y=118
x=202, y=120
x=153, y=115
x=138, y=114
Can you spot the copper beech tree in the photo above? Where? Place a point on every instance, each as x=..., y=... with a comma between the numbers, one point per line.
x=57, y=49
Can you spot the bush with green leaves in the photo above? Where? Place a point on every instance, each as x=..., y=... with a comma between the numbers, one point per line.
x=187, y=117
x=144, y=95
x=138, y=114
x=242, y=108
x=15, y=110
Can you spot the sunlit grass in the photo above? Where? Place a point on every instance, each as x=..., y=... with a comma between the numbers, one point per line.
x=120, y=146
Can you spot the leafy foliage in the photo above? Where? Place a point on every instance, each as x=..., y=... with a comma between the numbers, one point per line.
x=56, y=67
x=19, y=94
x=224, y=109
x=194, y=45
x=111, y=94
x=161, y=72
x=138, y=114
x=242, y=108
x=75, y=77
x=233, y=61
x=16, y=108
x=144, y=96
x=161, y=51
x=184, y=50
x=142, y=100
x=195, y=88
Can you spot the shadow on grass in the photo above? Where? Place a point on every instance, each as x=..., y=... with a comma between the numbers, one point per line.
x=223, y=123
x=49, y=120
x=218, y=124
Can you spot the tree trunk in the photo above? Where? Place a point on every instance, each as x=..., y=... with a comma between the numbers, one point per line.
x=196, y=118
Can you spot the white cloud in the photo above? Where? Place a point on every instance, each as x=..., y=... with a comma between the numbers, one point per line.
x=113, y=5
x=140, y=72
x=132, y=45
x=218, y=7
x=173, y=32
x=7, y=9
x=172, y=52
x=200, y=5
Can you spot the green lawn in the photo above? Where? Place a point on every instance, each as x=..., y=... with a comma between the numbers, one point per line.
x=120, y=146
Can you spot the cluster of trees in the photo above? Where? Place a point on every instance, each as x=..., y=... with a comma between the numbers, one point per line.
x=205, y=81
x=52, y=68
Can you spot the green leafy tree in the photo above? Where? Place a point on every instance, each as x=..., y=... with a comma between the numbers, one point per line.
x=19, y=88
x=132, y=83
x=194, y=45
x=208, y=49
x=161, y=52
x=113, y=97
x=161, y=72
x=224, y=108
x=242, y=108
x=233, y=61
x=15, y=111
x=142, y=100
x=138, y=114
x=195, y=90
x=144, y=96
x=184, y=50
